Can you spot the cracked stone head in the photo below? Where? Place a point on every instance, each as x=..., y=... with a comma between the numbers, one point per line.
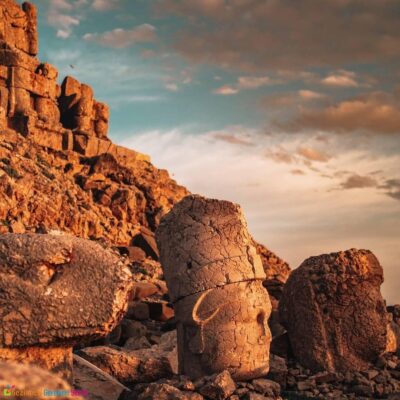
x=214, y=277
x=204, y=244
x=334, y=311
x=225, y=329
x=58, y=290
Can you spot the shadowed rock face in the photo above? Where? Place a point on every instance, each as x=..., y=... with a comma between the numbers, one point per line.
x=214, y=276
x=334, y=312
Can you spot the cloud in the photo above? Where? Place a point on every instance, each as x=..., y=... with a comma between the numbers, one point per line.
x=313, y=154
x=172, y=87
x=260, y=36
x=123, y=38
x=245, y=83
x=226, y=90
x=281, y=156
x=359, y=182
x=297, y=172
x=341, y=79
x=59, y=16
x=310, y=95
x=282, y=206
x=233, y=139
x=393, y=187
x=280, y=100
x=105, y=5
x=253, y=82
x=372, y=112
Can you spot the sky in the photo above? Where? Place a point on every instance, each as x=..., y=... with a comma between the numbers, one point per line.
x=289, y=108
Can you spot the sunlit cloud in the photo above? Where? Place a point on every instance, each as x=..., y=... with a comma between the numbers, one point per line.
x=300, y=203
x=122, y=38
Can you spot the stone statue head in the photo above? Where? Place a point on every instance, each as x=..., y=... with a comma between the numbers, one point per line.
x=225, y=328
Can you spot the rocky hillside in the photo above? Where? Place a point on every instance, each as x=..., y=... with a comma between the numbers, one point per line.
x=91, y=197
x=58, y=169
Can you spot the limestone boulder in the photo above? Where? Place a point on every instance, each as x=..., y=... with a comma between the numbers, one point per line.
x=334, y=312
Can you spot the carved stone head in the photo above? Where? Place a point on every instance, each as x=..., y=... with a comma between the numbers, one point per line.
x=225, y=328
x=214, y=276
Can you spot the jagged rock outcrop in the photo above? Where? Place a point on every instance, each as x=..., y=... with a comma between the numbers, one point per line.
x=55, y=292
x=334, y=312
x=58, y=169
x=214, y=276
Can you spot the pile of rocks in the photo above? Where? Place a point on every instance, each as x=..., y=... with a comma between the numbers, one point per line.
x=380, y=381
x=215, y=387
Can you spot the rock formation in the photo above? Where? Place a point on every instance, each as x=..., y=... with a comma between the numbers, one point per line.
x=334, y=312
x=58, y=169
x=25, y=382
x=214, y=276
x=55, y=292
x=32, y=102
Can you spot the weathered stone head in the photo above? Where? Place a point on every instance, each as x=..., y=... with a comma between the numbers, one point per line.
x=334, y=312
x=214, y=277
x=55, y=292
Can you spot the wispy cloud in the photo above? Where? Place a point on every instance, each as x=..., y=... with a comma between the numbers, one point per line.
x=245, y=83
x=313, y=154
x=105, y=5
x=122, y=38
x=359, y=182
x=262, y=36
x=64, y=15
x=342, y=78
x=374, y=112
x=226, y=90
x=280, y=200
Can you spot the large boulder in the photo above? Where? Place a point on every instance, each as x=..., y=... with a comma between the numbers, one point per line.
x=334, y=312
x=55, y=292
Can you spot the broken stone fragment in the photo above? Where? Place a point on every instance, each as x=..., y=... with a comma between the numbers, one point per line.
x=48, y=301
x=18, y=381
x=99, y=385
x=219, y=386
x=131, y=367
x=214, y=276
x=334, y=312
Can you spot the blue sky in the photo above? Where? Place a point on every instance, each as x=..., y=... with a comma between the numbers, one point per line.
x=291, y=109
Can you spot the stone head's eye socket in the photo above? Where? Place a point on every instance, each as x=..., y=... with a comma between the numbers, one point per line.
x=189, y=265
x=261, y=322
